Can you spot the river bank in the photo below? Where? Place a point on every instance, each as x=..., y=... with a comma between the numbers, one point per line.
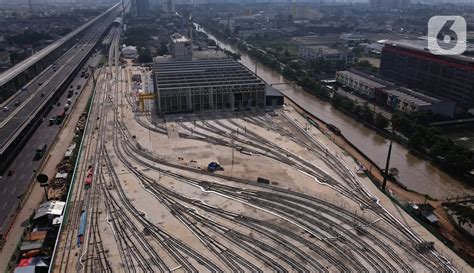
x=447, y=231
x=415, y=173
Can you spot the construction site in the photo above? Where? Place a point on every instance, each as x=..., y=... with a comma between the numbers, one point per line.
x=245, y=189
x=206, y=85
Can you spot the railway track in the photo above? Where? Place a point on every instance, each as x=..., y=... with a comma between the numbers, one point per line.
x=333, y=237
x=427, y=261
x=180, y=252
x=360, y=267
x=79, y=203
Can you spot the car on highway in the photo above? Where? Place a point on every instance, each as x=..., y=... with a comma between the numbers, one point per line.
x=40, y=151
x=17, y=103
x=52, y=121
x=40, y=83
x=5, y=109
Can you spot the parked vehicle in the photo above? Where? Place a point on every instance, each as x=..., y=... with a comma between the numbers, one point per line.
x=214, y=166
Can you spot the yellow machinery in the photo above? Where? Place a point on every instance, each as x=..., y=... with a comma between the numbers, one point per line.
x=144, y=96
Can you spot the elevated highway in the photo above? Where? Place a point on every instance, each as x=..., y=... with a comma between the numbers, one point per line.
x=15, y=78
x=23, y=111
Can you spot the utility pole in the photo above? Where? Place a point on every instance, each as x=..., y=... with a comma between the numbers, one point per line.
x=232, y=143
x=384, y=183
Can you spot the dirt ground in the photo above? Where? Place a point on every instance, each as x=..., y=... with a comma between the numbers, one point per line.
x=446, y=226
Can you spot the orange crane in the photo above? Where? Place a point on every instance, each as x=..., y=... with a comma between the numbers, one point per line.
x=144, y=96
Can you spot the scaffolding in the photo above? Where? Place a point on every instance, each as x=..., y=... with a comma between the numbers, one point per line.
x=207, y=85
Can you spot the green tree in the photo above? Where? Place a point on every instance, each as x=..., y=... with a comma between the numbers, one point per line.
x=440, y=147
x=163, y=48
x=144, y=56
x=337, y=100
x=417, y=139
x=367, y=114
x=380, y=121
x=348, y=105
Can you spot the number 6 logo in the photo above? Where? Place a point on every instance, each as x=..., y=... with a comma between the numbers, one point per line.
x=447, y=35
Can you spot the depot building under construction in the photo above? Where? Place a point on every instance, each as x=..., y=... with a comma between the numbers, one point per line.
x=206, y=85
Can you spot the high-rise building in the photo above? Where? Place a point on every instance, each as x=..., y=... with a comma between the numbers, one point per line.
x=412, y=64
x=140, y=8
x=301, y=11
x=389, y=4
x=168, y=6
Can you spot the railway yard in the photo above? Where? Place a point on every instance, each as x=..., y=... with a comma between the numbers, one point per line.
x=285, y=198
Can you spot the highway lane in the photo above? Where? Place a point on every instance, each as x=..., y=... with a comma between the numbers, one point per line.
x=9, y=130
x=24, y=165
x=34, y=85
x=13, y=187
x=20, y=67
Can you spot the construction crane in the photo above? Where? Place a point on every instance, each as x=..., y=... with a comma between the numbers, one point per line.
x=144, y=96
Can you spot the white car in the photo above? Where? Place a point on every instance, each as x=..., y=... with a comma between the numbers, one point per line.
x=5, y=109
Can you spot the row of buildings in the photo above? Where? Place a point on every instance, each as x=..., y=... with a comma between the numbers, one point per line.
x=392, y=95
x=334, y=56
x=411, y=64
x=421, y=79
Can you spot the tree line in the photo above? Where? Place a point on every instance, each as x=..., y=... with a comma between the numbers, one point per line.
x=418, y=135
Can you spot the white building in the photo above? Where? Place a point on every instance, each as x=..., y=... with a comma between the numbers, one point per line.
x=409, y=101
x=181, y=47
x=331, y=55
x=395, y=97
x=360, y=84
x=352, y=38
x=130, y=52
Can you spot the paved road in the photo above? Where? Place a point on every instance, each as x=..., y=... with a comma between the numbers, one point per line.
x=20, y=67
x=24, y=165
x=43, y=87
